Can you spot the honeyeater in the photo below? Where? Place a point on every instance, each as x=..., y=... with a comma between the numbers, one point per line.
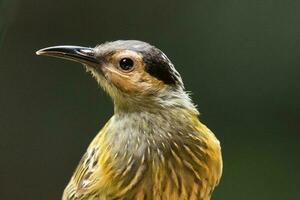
x=154, y=147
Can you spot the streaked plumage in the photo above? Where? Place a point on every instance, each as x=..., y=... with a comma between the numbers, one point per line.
x=154, y=147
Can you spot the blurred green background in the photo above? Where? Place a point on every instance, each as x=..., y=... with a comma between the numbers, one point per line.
x=240, y=58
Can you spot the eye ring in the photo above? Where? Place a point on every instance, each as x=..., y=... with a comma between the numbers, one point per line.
x=126, y=64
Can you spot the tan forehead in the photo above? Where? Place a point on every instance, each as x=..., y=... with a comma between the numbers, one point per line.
x=137, y=57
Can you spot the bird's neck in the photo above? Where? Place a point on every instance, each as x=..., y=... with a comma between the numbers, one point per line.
x=162, y=102
x=146, y=133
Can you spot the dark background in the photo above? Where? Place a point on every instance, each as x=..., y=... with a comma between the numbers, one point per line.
x=240, y=58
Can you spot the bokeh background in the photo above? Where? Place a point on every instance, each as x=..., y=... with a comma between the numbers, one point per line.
x=239, y=58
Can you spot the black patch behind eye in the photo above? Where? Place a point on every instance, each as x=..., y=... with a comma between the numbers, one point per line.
x=158, y=66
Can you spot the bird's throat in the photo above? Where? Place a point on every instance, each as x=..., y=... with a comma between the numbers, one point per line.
x=139, y=133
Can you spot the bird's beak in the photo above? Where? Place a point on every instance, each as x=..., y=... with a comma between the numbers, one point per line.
x=84, y=55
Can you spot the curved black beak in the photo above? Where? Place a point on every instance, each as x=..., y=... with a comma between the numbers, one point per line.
x=83, y=55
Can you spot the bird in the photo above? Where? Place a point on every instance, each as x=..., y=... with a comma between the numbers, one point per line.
x=154, y=147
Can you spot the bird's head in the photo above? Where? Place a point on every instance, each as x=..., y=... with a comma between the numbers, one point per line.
x=136, y=74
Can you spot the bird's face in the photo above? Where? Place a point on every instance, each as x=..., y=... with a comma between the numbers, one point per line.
x=124, y=70
x=130, y=71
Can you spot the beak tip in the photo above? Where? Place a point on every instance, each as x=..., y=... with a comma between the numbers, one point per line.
x=39, y=52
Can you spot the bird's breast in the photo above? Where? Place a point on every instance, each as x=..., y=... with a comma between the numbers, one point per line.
x=138, y=158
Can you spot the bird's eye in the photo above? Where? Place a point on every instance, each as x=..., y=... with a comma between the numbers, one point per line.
x=126, y=64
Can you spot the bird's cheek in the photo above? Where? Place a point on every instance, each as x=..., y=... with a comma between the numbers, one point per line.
x=123, y=83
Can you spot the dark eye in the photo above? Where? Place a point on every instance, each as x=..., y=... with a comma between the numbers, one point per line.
x=126, y=64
